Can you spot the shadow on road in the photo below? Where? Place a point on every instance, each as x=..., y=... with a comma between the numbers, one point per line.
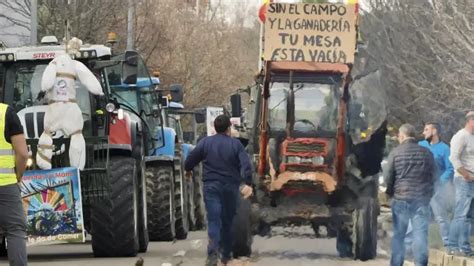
x=60, y=257
x=292, y=255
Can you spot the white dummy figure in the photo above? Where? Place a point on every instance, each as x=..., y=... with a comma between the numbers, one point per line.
x=63, y=113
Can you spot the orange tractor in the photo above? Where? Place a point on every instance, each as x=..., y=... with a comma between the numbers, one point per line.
x=300, y=118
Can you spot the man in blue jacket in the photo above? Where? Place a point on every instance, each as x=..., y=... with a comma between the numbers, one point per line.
x=224, y=162
x=443, y=198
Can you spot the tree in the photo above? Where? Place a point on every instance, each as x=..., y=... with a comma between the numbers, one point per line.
x=425, y=51
x=208, y=54
x=89, y=20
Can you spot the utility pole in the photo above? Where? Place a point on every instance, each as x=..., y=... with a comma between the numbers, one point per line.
x=130, y=23
x=34, y=22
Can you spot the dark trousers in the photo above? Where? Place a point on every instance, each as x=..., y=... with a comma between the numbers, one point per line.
x=221, y=201
x=13, y=222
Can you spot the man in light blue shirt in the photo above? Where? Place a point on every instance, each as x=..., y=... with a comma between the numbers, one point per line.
x=443, y=198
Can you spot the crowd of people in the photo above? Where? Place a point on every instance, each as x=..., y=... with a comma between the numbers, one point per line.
x=431, y=177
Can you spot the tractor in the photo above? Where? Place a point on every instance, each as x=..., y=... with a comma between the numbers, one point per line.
x=299, y=122
x=113, y=181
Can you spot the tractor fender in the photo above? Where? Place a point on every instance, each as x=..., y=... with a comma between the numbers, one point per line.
x=170, y=141
x=122, y=134
x=186, y=148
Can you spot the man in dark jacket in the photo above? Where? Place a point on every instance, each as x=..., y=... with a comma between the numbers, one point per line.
x=224, y=162
x=410, y=179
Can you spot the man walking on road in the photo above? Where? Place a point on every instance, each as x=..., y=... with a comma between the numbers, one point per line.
x=13, y=157
x=410, y=176
x=462, y=158
x=224, y=162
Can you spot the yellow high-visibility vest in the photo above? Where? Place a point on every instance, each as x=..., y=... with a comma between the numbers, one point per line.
x=7, y=155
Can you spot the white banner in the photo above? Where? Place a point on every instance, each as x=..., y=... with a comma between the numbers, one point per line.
x=211, y=114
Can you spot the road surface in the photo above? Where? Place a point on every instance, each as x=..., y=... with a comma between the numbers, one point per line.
x=287, y=246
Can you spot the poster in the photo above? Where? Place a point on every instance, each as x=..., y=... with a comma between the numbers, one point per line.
x=53, y=206
x=211, y=114
x=323, y=33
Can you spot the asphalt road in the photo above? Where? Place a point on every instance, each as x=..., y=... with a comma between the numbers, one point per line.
x=287, y=246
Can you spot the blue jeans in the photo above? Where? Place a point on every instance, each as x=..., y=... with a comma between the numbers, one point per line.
x=441, y=204
x=221, y=201
x=460, y=229
x=417, y=213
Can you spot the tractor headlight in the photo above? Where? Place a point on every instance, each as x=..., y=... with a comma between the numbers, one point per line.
x=110, y=107
x=293, y=159
x=29, y=162
x=318, y=160
x=10, y=57
x=3, y=57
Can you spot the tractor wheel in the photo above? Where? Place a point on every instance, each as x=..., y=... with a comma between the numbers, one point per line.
x=365, y=229
x=359, y=239
x=143, y=237
x=160, y=202
x=242, y=230
x=192, y=206
x=182, y=202
x=199, y=210
x=3, y=247
x=114, y=220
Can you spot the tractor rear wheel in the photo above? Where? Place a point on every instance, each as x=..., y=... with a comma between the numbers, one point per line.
x=160, y=202
x=199, y=208
x=143, y=237
x=182, y=201
x=359, y=238
x=242, y=230
x=114, y=220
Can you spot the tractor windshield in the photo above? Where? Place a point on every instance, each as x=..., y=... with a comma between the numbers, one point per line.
x=23, y=84
x=127, y=96
x=315, y=107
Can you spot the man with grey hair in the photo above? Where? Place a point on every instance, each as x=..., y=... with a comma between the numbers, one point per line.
x=410, y=177
x=462, y=158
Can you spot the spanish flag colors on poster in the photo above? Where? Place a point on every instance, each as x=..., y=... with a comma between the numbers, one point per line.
x=262, y=12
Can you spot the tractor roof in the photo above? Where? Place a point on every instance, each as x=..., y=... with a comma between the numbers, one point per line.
x=46, y=52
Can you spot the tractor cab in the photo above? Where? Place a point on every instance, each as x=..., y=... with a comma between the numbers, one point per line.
x=304, y=125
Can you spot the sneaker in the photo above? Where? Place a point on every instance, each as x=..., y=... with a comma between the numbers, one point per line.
x=212, y=260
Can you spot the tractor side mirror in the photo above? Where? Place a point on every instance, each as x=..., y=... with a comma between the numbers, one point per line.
x=130, y=67
x=177, y=92
x=200, y=117
x=236, y=105
x=164, y=101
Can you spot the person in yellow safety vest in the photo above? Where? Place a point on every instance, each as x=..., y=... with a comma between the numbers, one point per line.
x=13, y=158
